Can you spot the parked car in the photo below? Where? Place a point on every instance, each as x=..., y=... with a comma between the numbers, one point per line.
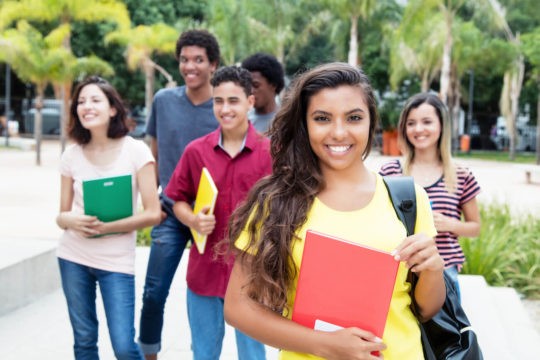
x=137, y=123
x=526, y=136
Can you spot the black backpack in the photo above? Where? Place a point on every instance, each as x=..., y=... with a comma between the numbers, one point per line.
x=448, y=335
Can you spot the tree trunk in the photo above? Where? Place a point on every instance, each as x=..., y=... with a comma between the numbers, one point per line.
x=516, y=81
x=149, y=76
x=353, y=42
x=38, y=121
x=425, y=81
x=64, y=115
x=446, y=60
x=538, y=129
x=170, y=81
x=66, y=92
x=454, y=101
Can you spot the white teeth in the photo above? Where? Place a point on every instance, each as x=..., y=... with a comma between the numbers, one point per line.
x=339, y=149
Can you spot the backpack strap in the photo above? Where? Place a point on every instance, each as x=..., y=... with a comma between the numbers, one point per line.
x=403, y=196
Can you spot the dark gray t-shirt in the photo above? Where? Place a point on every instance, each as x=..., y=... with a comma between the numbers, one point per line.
x=261, y=122
x=175, y=122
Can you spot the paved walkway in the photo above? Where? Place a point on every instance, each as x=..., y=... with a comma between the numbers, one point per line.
x=29, y=198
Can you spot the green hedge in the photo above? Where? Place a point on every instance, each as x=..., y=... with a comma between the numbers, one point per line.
x=507, y=252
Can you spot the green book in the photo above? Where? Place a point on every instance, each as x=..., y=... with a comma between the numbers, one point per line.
x=108, y=198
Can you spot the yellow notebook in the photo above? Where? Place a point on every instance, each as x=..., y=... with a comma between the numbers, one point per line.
x=206, y=196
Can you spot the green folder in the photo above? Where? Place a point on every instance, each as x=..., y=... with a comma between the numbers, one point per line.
x=108, y=198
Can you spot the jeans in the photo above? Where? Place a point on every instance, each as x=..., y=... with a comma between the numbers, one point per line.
x=118, y=294
x=205, y=314
x=453, y=272
x=168, y=243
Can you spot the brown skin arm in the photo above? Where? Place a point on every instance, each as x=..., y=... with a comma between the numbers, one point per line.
x=275, y=330
x=202, y=222
x=470, y=226
x=420, y=254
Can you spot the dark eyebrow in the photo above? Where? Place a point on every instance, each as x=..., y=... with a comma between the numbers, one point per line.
x=322, y=112
x=228, y=98
x=354, y=111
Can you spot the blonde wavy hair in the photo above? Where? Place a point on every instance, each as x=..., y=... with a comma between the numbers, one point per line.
x=445, y=139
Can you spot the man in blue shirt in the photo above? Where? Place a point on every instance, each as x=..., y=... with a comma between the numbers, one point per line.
x=178, y=116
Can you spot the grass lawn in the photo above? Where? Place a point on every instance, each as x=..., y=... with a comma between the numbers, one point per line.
x=521, y=157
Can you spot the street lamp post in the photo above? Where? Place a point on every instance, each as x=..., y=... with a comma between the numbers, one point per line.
x=471, y=99
x=8, y=101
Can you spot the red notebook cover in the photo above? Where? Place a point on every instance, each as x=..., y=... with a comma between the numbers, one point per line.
x=343, y=284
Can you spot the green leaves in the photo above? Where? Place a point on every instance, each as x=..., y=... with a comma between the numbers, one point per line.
x=507, y=252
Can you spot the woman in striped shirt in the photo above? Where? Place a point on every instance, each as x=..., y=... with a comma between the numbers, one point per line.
x=425, y=139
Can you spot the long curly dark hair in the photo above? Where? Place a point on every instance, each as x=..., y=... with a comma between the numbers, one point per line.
x=277, y=206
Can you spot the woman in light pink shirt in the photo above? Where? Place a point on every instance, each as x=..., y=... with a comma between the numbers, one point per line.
x=93, y=251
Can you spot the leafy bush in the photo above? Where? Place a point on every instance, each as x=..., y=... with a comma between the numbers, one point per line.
x=143, y=237
x=507, y=252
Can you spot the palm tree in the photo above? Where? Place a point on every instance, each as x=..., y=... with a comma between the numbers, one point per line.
x=141, y=43
x=513, y=78
x=245, y=27
x=229, y=21
x=416, y=48
x=532, y=51
x=42, y=61
x=65, y=12
x=353, y=10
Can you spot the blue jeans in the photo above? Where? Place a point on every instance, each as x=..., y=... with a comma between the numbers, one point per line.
x=168, y=243
x=453, y=272
x=118, y=294
x=207, y=324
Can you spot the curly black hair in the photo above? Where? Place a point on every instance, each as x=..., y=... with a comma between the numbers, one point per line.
x=201, y=38
x=235, y=74
x=268, y=66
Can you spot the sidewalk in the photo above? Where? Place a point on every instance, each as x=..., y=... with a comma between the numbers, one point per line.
x=41, y=330
x=29, y=200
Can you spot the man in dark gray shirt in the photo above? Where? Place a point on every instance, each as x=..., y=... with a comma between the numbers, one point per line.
x=268, y=81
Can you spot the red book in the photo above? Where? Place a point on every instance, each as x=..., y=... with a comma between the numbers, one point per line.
x=343, y=284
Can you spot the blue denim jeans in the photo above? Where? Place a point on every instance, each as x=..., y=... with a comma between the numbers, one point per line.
x=118, y=294
x=207, y=324
x=168, y=243
x=453, y=272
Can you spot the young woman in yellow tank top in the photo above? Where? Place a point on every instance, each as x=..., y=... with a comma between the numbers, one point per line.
x=319, y=141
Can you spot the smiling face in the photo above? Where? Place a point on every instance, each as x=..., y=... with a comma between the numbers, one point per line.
x=338, y=124
x=195, y=67
x=231, y=105
x=93, y=108
x=423, y=127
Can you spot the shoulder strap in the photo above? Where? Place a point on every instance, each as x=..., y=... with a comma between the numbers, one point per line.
x=403, y=196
